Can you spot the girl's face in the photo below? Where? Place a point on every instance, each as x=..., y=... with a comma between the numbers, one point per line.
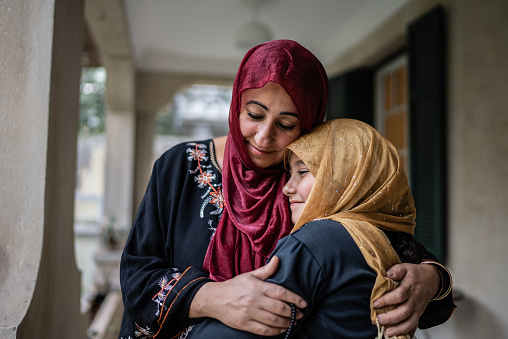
x=269, y=122
x=298, y=187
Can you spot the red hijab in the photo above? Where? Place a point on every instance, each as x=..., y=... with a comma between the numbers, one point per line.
x=256, y=213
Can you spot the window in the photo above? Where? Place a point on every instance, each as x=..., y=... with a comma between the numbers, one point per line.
x=391, y=116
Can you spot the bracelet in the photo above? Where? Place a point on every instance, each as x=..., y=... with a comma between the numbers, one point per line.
x=440, y=295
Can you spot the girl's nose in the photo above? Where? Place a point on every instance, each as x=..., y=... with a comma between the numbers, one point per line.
x=288, y=188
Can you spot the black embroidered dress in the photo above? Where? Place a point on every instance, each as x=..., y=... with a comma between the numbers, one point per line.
x=161, y=267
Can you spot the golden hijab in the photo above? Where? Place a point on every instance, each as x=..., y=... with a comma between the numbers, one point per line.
x=360, y=183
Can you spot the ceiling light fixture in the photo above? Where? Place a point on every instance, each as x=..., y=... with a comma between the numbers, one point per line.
x=254, y=32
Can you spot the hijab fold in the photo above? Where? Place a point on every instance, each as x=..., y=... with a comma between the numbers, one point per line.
x=360, y=183
x=256, y=213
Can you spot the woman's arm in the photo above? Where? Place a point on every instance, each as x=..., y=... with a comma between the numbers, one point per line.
x=248, y=303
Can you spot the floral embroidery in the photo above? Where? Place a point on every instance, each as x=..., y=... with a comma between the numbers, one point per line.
x=166, y=286
x=217, y=198
x=143, y=333
x=197, y=154
x=205, y=178
x=185, y=333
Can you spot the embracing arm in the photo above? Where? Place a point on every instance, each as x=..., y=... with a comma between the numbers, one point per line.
x=424, y=296
x=248, y=303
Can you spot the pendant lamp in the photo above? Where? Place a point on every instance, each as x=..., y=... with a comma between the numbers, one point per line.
x=254, y=32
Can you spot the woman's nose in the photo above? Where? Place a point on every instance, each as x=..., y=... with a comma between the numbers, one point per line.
x=265, y=134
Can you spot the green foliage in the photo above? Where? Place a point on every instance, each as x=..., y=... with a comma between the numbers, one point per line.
x=164, y=121
x=92, y=111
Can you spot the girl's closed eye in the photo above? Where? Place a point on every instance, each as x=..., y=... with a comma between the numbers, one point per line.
x=302, y=172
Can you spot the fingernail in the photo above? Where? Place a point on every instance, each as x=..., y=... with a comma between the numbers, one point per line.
x=375, y=304
x=303, y=304
x=389, y=332
x=380, y=320
x=390, y=274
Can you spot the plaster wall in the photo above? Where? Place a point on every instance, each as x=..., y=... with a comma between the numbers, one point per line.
x=40, y=287
x=25, y=72
x=478, y=170
x=477, y=152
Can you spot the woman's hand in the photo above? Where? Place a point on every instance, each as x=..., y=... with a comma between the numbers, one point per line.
x=418, y=285
x=248, y=303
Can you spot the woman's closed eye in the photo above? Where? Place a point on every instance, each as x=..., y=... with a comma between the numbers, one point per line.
x=286, y=127
x=254, y=116
x=282, y=125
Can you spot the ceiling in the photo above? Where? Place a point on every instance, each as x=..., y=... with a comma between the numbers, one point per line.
x=198, y=36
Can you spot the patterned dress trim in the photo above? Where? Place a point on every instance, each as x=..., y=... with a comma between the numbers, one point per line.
x=206, y=179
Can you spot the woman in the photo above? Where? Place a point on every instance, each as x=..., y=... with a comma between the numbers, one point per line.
x=280, y=92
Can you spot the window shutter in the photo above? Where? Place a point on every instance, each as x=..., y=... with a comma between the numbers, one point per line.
x=427, y=107
x=351, y=96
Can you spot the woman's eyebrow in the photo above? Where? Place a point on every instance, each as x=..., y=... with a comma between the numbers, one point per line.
x=254, y=102
x=291, y=114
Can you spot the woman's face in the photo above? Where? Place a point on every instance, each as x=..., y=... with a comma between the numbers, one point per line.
x=298, y=187
x=269, y=122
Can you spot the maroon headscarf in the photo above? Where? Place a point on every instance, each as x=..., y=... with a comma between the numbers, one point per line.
x=256, y=213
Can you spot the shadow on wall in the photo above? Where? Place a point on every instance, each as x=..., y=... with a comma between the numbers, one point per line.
x=3, y=266
x=471, y=319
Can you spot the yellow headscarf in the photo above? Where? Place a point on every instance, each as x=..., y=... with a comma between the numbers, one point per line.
x=360, y=183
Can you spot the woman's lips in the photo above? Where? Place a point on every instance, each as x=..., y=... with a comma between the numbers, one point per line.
x=258, y=151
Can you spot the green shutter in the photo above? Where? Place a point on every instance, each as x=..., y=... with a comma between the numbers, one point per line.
x=351, y=96
x=427, y=107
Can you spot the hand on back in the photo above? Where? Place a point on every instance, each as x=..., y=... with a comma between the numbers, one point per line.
x=418, y=285
x=248, y=303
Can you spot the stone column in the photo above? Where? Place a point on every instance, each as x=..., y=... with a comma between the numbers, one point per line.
x=120, y=139
x=40, y=68
x=108, y=26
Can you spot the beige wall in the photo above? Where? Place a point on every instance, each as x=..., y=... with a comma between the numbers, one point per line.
x=39, y=66
x=477, y=153
x=478, y=169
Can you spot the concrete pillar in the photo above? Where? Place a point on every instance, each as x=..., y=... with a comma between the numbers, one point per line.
x=40, y=68
x=108, y=26
x=120, y=140
x=120, y=134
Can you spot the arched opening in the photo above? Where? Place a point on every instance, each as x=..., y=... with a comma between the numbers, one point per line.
x=198, y=111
